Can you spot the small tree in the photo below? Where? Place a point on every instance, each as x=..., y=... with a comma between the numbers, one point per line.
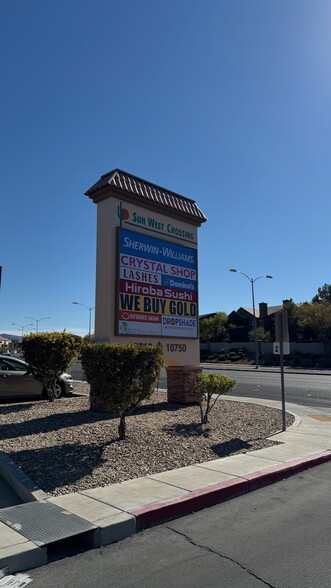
x=323, y=294
x=316, y=316
x=48, y=355
x=261, y=335
x=214, y=327
x=210, y=387
x=121, y=376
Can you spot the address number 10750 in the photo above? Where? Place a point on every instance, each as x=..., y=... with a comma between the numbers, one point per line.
x=173, y=347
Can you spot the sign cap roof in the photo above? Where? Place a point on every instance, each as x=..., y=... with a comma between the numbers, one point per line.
x=126, y=184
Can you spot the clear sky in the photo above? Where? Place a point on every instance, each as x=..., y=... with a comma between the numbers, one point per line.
x=224, y=101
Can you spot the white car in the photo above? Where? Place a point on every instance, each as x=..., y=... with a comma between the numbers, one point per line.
x=15, y=381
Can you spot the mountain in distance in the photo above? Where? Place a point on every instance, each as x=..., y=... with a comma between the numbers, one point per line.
x=11, y=337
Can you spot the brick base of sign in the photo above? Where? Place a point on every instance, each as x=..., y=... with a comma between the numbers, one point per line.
x=182, y=384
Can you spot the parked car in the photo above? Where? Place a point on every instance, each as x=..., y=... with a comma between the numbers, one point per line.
x=15, y=381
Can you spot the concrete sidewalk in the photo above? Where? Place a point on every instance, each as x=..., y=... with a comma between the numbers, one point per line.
x=120, y=510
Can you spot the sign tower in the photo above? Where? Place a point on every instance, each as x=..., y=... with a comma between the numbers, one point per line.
x=147, y=274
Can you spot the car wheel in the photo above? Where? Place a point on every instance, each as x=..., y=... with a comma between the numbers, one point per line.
x=58, y=390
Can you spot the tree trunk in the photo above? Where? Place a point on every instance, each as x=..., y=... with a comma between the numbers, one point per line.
x=121, y=427
x=203, y=415
x=50, y=392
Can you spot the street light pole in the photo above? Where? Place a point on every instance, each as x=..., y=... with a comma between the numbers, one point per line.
x=90, y=308
x=23, y=327
x=37, y=320
x=252, y=280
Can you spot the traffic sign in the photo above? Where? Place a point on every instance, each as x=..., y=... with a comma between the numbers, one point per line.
x=286, y=348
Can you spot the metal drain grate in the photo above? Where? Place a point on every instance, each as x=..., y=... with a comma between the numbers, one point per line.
x=43, y=522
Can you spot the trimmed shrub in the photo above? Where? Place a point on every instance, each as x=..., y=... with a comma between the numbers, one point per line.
x=48, y=355
x=121, y=376
x=210, y=387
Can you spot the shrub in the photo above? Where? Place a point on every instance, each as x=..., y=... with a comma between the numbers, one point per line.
x=48, y=355
x=121, y=376
x=236, y=357
x=324, y=362
x=209, y=386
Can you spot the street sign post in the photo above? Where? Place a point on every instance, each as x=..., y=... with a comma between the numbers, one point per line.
x=280, y=347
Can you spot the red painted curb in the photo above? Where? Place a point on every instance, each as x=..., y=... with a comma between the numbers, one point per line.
x=285, y=470
x=192, y=501
x=153, y=514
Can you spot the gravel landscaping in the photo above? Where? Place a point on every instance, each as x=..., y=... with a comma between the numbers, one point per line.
x=66, y=448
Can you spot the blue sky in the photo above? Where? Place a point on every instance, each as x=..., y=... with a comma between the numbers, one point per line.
x=224, y=101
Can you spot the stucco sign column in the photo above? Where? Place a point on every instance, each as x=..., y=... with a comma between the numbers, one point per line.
x=146, y=272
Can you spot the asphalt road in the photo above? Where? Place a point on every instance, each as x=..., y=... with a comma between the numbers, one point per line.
x=300, y=388
x=278, y=536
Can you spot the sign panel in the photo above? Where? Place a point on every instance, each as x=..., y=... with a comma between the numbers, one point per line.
x=286, y=348
x=281, y=326
x=156, y=287
x=140, y=218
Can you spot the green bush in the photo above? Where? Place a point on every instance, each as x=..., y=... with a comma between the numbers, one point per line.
x=48, y=355
x=209, y=386
x=121, y=376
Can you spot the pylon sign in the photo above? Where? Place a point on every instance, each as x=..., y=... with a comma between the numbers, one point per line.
x=147, y=267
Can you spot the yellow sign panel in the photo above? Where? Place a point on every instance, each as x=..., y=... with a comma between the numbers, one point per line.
x=148, y=304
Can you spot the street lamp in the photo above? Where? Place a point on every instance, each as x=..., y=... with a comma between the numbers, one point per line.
x=23, y=327
x=252, y=280
x=90, y=308
x=37, y=320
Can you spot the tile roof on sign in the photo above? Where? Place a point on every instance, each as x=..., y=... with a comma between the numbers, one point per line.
x=132, y=185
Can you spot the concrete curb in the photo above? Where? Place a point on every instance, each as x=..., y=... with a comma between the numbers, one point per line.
x=196, y=500
x=24, y=487
x=154, y=514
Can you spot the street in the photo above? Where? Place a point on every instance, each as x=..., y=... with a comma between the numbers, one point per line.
x=300, y=388
x=277, y=536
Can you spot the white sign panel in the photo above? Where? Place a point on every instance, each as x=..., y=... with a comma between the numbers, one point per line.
x=286, y=348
